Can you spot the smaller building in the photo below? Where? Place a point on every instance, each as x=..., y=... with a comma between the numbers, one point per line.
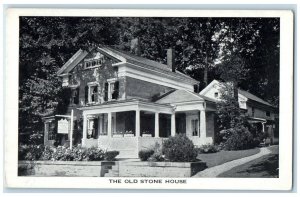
x=260, y=113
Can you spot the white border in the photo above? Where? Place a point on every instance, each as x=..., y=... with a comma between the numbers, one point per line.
x=284, y=182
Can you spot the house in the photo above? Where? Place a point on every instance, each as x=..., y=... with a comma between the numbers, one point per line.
x=128, y=103
x=260, y=113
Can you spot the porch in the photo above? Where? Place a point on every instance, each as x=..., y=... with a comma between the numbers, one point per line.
x=135, y=125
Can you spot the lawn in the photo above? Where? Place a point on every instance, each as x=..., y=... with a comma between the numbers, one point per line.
x=214, y=159
x=262, y=167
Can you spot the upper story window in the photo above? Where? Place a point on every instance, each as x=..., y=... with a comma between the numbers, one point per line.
x=92, y=93
x=111, y=90
x=93, y=96
x=268, y=113
x=74, y=96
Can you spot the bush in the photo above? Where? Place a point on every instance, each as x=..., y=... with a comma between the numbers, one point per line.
x=62, y=153
x=208, y=148
x=239, y=139
x=95, y=154
x=30, y=152
x=179, y=148
x=47, y=153
x=111, y=155
x=145, y=154
x=156, y=156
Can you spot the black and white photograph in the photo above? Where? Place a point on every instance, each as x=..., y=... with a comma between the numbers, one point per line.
x=168, y=97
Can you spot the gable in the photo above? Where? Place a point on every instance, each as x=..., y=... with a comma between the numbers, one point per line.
x=94, y=58
x=179, y=96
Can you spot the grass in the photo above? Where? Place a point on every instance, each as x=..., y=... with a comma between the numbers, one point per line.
x=263, y=167
x=214, y=159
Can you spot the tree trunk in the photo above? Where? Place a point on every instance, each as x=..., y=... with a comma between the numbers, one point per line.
x=205, y=71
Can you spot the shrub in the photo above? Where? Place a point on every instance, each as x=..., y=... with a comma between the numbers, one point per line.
x=95, y=154
x=208, y=148
x=30, y=152
x=239, y=139
x=62, y=153
x=47, y=153
x=111, y=155
x=156, y=156
x=179, y=148
x=145, y=154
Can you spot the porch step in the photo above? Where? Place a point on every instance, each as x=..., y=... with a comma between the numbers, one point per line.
x=113, y=172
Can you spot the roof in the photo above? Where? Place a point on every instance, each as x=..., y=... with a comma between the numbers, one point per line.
x=250, y=96
x=122, y=56
x=244, y=93
x=180, y=96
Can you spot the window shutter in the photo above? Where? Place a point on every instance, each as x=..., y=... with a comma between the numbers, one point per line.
x=76, y=101
x=86, y=94
x=106, y=91
x=116, y=90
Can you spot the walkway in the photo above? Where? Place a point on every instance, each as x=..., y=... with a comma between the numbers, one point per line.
x=216, y=170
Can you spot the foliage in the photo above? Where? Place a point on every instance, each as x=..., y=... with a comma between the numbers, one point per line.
x=111, y=155
x=62, y=153
x=239, y=138
x=157, y=155
x=145, y=154
x=202, y=46
x=179, y=148
x=30, y=152
x=208, y=148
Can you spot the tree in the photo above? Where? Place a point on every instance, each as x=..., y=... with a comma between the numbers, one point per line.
x=46, y=43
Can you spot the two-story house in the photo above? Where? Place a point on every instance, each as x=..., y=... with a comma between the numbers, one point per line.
x=260, y=113
x=128, y=103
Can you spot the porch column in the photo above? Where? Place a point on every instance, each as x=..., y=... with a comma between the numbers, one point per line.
x=263, y=127
x=137, y=123
x=84, y=131
x=202, y=124
x=46, y=132
x=109, y=131
x=173, y=125
x=156, y=133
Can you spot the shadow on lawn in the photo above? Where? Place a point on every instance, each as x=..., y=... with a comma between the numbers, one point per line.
x=268, y=166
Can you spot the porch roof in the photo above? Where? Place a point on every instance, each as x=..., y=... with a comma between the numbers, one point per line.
x=127, y=105
x=181, y=96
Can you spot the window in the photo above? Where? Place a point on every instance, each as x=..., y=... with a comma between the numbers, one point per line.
x=268, y=113
x=111, y=90
x=93, y=93
x=195, y=124
x=51, y=130
x=216, y=94
x=92, y=128
x=75, y=96
x=94, y=63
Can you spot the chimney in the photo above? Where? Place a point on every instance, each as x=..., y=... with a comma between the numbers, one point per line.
x=171, y=59
x=135, y=46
